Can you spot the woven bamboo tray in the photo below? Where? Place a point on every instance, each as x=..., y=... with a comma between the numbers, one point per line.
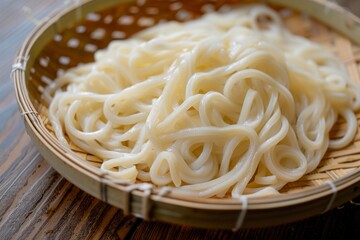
x=71, y=36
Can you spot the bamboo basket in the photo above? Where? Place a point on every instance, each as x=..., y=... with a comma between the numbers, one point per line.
x=70, y=37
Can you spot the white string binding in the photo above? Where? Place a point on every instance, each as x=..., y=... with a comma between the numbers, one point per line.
x=147, y=188
x=163, y=191
x=242, y=214
x=20, y=64
x=354, y=203
x=340, y=207
x=127, y=203
x=146, y=206
x=30, y=112
x=333, y=197
x=103, y=184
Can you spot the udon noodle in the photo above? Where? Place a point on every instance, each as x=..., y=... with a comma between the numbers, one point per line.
x=230, y=104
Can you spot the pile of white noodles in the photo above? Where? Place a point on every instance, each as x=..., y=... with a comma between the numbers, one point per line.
x=221, y=105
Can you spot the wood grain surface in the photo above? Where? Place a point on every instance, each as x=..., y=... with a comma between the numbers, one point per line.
x=37, y=203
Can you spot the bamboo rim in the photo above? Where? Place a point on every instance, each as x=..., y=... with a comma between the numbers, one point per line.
x=166, y=208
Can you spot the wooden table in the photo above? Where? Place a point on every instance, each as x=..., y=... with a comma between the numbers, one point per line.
x=37, y=203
